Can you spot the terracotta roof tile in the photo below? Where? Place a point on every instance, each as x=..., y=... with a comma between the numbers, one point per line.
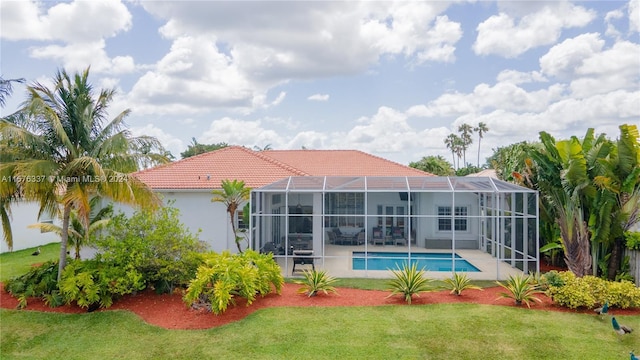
x=342, y=163
x=259, y=168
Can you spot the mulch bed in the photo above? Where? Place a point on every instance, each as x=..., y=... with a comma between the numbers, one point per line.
x=170, y=312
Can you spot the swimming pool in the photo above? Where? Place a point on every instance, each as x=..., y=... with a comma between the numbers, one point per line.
x=395, y=260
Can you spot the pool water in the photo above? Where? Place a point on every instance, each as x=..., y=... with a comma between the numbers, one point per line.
x=395, y=260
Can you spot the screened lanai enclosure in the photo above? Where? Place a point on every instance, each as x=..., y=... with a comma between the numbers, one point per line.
x=364, y=226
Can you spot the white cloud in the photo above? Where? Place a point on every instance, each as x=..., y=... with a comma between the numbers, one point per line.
x=562, y=59
x=21, y=20
x=78, y=56
x=75, y=22
x=81, y=25
x=519, y=77
x=611, y=29
x=501, y=35
x=406, y=28
x=634, y=15
x=385, y=132
x=319, y=97
x=592, y=69
x=193, y=77
x=170, y=142
x=240, y=132
x=237, y=56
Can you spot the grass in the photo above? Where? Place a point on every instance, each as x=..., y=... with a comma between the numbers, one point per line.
x=438, y=331
x=16, y=263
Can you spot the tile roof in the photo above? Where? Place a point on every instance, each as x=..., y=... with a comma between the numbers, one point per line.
x=259, y=168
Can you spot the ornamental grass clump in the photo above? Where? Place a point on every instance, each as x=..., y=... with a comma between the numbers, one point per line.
x=408, y=281
x=521, y=288
x=458, y=283
x=315, y=281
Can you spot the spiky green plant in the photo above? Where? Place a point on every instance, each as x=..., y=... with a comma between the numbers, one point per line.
x=521, y=288
x=408, y=281
x=458, y=283
x=314, y=281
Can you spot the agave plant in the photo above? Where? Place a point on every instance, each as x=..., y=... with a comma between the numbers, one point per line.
x=521, y=288
x=314, y=281
x=408, y=281
x=458, y=283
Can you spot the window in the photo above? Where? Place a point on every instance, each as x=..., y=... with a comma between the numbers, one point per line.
x=241, y=224
x=460, y=218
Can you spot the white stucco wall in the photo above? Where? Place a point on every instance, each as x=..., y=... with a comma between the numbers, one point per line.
x=197, y=211
x=23, y=215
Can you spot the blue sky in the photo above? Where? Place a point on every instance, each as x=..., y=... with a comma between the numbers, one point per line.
x=389, y=78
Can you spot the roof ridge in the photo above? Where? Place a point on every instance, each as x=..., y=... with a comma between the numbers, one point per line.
x=392, y=162
x=187, y=159
x=260, y=154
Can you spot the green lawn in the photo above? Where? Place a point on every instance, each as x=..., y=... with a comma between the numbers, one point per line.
x=18, y=262
x=439, y=331
x=444, y=331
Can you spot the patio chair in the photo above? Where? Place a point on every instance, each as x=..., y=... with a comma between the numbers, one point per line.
x=377, y=238
x=397, y=235
x=269, y=247
x=333, y=238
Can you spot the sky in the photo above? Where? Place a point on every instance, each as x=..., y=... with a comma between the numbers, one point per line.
x=389, y=78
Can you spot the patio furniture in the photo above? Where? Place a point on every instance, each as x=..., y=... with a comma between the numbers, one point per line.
x=269, y=247
x=302, y=257
x=333, y=238
x=397, y=234
x=377, y=238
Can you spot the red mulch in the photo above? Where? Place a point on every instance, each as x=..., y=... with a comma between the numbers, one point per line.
x=168, y=311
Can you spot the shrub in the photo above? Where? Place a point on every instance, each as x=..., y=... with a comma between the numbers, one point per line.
x=40, y=281
x=623, y=294
x=408, y=281
x=156, y=245
x=315, y=281
x=458, y=283
x=588, y=291
x=521, y=289
x=553, y=278
x=632, y=239
x=224, y=276
x=91, y=283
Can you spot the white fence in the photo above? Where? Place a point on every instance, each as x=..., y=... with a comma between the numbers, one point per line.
x=634, y=264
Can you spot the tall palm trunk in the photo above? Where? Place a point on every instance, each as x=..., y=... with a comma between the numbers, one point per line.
x=479, y=139
x=236, y=238
x=615, y=260
x=575, y=238
x=64, y=238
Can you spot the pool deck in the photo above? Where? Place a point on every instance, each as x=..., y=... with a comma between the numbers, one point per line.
x=338, y=263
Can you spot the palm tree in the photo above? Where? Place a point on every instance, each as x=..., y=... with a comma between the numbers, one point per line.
x=79, y=232
x=465, y=131
x=6, y=89
x=265, y=148
x=561, y=175
x=617, y=202
x=481, y=129
x=452, y=141
x=232, y=195
x=436, y=165
x=68, y=154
